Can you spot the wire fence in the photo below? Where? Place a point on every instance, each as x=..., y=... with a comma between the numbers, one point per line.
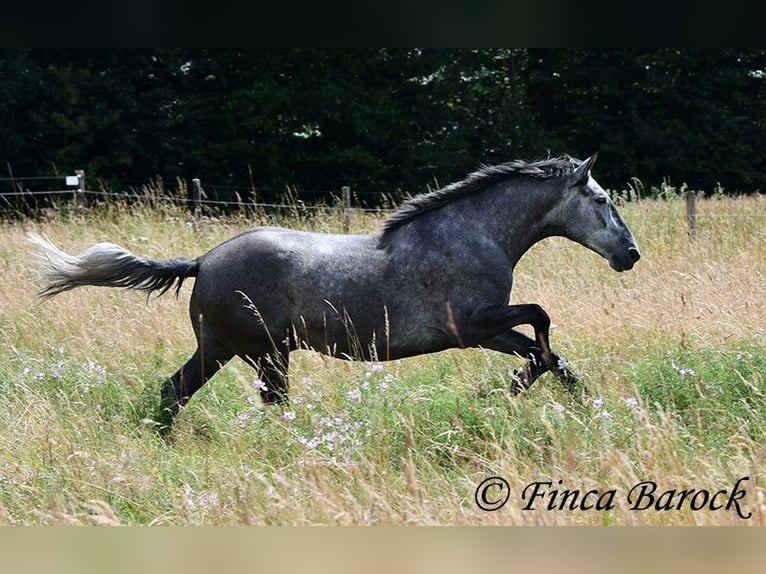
x=184, y=201
x=16, y=199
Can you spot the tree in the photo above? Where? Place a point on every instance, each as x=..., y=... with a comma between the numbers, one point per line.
x=690, y=116
x=381, y=120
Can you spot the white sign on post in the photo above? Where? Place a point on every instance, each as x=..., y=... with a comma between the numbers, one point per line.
x=71, y=180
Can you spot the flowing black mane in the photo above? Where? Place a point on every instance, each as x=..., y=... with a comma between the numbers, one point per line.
x=480, y=179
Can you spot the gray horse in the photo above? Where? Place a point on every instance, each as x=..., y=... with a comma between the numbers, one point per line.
x=437, y=276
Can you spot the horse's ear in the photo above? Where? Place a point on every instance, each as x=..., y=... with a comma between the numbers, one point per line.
x=582, y=171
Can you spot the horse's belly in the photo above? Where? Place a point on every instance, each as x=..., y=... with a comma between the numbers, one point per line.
x=370, y=333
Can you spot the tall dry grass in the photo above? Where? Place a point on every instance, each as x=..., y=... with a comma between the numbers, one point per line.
x=672, y=353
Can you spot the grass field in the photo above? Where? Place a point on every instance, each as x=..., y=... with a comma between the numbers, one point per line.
x=673, y=352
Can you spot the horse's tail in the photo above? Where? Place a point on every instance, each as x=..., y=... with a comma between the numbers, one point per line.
x=108, y=265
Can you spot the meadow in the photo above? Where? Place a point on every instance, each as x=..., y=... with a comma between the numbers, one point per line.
x=673, y=354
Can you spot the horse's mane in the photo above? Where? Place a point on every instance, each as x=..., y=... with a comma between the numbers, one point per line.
x=480, y=179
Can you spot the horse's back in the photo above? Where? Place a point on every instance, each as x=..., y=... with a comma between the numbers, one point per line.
x=295, y=279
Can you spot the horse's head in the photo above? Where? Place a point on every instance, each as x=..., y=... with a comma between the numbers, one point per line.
x=589, y=217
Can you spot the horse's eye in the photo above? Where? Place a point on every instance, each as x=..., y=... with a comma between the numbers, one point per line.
x=600, y=199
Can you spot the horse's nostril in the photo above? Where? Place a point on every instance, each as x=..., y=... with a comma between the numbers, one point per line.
x=634, y=253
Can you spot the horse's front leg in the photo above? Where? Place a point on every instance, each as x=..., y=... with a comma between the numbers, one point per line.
x=515, y=343
x=493, y=328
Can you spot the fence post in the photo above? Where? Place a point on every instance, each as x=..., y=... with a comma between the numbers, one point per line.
x=691, y=213
x=346, y=192
x=80, y=193
x=195, y=193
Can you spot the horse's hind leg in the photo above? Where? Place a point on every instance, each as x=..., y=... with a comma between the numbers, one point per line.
x=178, y=389
x=275, y=378
x=272, y=371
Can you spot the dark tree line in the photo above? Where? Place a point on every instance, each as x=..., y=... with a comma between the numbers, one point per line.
x=382, y=120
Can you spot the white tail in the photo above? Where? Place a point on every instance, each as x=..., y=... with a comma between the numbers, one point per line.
x=108, y=265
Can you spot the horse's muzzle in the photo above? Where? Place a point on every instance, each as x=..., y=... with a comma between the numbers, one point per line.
x=626, y=262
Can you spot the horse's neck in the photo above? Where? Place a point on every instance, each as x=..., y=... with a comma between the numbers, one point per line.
x=511, y=216
x=516, y=215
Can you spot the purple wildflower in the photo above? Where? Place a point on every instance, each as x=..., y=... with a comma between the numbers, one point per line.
x=598, y=403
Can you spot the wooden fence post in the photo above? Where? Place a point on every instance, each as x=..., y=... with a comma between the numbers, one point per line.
x=346, y=192
x=691, y=213
x=80, y=193
x=195, y=193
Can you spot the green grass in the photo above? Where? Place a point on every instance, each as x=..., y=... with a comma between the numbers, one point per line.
x=673, y=357
x=83, y=436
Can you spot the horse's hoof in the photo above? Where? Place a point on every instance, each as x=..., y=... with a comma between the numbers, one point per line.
x=570, y=381
x=519, y=382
